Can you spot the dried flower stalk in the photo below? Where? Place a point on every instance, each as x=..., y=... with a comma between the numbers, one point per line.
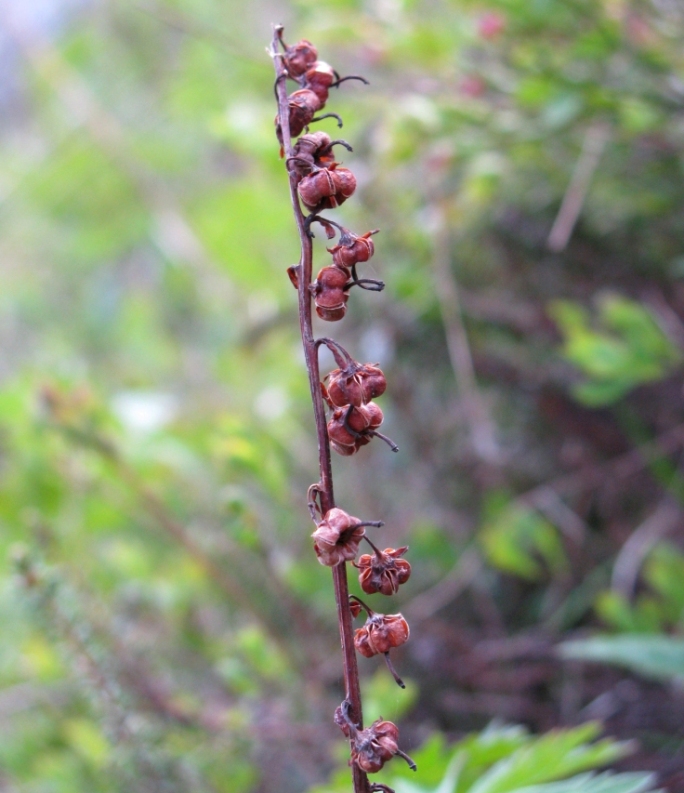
x=319, y=183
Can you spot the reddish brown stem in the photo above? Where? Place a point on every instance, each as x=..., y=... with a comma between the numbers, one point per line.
x=325, y=487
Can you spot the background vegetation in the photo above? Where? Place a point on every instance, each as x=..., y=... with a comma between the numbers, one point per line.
x=164, y=624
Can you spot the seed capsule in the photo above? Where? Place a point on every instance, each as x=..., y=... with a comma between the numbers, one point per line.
x=299, y=58
x=380, y=634
x=352, y=249
x=377, y=744
x=303, y=106
x=383, y=571
x=306, y=150
x=330, y=298
x=327, y=188
x=319, y=78
x=337, y=537
x=355, y=385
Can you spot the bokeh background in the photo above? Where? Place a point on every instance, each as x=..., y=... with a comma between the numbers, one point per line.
x=164, y=625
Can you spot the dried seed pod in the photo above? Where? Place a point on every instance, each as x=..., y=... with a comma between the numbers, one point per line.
x=345, y=185
x=299, y=58
x=372, y=747
x=306, y=151
x=356, y=384
x=380, y=634
x=338, y=432
x=360, y=418
x=352, y=249
x=345, y=388
x=329, y=294
x=375, y=745
x=316, y=186
x=372, y=380
x=302, y=105
x=327, y=188
x=319, y=78
x=333, y=306
x=383, y=571
x=356, y=425
x=329, y=278
x=337, y=537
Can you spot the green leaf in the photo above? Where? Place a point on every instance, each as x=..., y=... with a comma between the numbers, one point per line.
x=517, y=539
x=657, y=657
x=603, y=783
x=554, y=755
x=622, y=348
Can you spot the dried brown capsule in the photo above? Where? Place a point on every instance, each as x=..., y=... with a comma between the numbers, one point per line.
x=316, y=186
x=353, y=249
x=373, y=381
x=345, y=185
x=319, y=78
x=327, y=188
x=372, y=747
x=380, y=634
x=338, y=430
x=383, y=571
x=375, y=745
x=364, y=417
x=302, y=106
x=329, y=278
x=344, y=388
x=348, y=424
x=312, y=151
x=299, y=58
x=329, y=294
x=305, y=153
x=337, y=537
x=333, y=306
x=355, y=384
x=352, y=425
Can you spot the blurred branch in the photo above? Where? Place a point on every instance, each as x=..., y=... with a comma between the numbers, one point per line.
x=23, y=696
x=547, y=500
x=447, y=589
x=594, y=143
x=631, y=557
x=621, y=467
x=480, y=425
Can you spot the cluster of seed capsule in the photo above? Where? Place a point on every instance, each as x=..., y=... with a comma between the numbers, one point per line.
x=315, y=79
x=337, y=538
x=349, y=391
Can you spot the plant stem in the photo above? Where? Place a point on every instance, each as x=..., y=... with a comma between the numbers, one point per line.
x=326, y=495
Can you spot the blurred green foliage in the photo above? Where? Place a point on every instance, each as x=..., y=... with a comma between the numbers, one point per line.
x=630, y=351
